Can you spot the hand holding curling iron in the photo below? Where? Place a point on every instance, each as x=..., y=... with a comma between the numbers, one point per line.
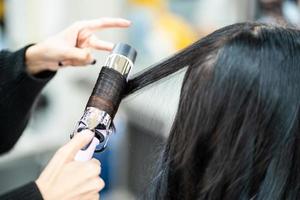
x=65, y=178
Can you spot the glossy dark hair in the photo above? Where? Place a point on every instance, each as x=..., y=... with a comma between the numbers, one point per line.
x=236, y=131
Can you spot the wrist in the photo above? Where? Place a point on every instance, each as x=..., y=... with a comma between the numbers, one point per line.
x=41, y=188
x=34, y=60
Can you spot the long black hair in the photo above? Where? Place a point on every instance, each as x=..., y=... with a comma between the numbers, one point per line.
x=236, y=131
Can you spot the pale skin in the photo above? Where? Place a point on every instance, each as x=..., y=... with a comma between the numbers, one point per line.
x=63, y=178
x=72, y=46
x=66, y=179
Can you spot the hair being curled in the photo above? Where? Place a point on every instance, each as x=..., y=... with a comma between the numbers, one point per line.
x=236, y=131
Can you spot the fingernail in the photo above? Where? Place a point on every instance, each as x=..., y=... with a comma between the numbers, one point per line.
x=94, y=62
x=60, y=64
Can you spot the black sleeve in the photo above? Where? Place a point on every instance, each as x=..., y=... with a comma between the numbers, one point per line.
x=18, y=91
x=29, y=191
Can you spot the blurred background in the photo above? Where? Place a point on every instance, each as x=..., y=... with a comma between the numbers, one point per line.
x=159, y=29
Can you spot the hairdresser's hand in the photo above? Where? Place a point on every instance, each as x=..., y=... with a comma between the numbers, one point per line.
x=64, y=178
x=71, y=46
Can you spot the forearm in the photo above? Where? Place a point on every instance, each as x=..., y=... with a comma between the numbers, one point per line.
x=18, y=91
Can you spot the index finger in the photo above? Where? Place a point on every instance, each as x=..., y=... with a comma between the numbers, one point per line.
x=97, y=24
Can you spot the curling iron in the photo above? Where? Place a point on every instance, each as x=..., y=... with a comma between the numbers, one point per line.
x=105, y=99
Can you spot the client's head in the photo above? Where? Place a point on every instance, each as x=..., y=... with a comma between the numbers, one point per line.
x=236, y=131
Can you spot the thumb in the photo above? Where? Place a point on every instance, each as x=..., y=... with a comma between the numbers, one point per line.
x=79, y=141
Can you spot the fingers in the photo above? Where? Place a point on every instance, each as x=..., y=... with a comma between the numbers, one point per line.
x=93, y=185
x=87, y=154
x=97, y=44
x=77, y=57
x=107, y=22
x=90, y=196
x=78, y=142
x=94, y=167
x=98, y=184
